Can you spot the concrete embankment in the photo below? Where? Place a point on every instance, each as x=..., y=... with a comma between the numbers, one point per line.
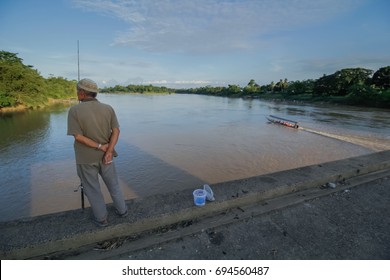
x=67, y=231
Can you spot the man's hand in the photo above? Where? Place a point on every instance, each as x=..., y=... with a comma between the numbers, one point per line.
x=104, y=147
x=107, y=159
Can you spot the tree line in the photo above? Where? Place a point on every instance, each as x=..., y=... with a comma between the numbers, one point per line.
x=353, y=86
x=21, y=84
x=142, y=89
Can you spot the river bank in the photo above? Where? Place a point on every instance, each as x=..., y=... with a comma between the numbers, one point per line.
x=64, y=101
x=51, y=102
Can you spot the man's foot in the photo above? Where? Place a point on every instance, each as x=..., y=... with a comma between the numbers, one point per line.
x=125, y=214
x=103, y=223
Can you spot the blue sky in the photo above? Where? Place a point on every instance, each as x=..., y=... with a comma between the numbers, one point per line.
x=191, y=43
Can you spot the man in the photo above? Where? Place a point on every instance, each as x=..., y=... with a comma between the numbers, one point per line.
x=95, y=128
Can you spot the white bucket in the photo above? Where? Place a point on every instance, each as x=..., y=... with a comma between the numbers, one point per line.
x=199, y=197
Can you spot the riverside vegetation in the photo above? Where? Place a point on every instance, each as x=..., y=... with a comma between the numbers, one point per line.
x=21, y=85
x=351, y=86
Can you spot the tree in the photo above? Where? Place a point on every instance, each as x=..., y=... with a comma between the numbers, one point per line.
x=338, y=84
x=300, y=87
x=381, y=78
x=251, y=88
x=252, y=83
x=233, y=90
x=271, y=86
x=281, y=85
x=20, y=84
x=8, y=57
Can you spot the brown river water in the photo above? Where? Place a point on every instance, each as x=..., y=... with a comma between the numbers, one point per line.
x=174, y=142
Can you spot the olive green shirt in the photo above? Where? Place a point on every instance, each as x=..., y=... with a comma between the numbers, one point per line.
x=94, y=120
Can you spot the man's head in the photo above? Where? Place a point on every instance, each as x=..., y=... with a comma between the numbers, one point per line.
x=86, y=88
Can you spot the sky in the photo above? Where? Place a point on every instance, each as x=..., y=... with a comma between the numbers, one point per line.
x=196, y=43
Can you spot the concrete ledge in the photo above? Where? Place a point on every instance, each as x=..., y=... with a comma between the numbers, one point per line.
x=66, y=231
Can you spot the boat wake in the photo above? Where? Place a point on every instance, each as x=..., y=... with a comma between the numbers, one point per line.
x=376, y=144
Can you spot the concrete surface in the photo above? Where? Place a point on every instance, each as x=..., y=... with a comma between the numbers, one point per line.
x=351, y=224
x=305, y=225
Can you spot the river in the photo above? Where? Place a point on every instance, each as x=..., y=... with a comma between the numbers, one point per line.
x=174, y=142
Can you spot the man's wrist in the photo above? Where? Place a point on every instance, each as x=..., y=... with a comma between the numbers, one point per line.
x=98, y=147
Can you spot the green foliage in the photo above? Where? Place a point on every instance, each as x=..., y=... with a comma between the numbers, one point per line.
x=60, y=88
x=233, y=90
x=137, y=89
x=6, y=100
x=300, y=87
x=281, y=85
x=381, y=78
x=349, y=86
x=252, y=88
x=22, y=85
x=360, y=94
x=384, y=99
x=339, y=83
x=364, y=95
x=7, y=57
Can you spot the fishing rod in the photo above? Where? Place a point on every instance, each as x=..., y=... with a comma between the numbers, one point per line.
x=78, y=79
x=78, y=61
x=81, y=193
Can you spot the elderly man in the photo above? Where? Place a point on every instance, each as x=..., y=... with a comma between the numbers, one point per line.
x=95, y=128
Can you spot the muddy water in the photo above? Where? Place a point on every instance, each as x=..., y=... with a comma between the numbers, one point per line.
x=177, y=141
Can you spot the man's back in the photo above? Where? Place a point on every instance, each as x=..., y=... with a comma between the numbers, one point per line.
x=94, y=120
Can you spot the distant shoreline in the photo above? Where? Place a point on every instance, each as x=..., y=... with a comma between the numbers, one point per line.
x=22, y=108
x=299, y=98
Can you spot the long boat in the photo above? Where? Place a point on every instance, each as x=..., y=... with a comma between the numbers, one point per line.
x=282, y=121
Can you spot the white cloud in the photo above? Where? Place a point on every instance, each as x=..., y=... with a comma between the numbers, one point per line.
x=204, y=26
x=184, y=83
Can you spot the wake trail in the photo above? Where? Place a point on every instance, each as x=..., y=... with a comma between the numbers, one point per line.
x=376, y=145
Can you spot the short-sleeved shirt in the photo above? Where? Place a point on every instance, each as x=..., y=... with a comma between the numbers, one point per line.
x=94, y=120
